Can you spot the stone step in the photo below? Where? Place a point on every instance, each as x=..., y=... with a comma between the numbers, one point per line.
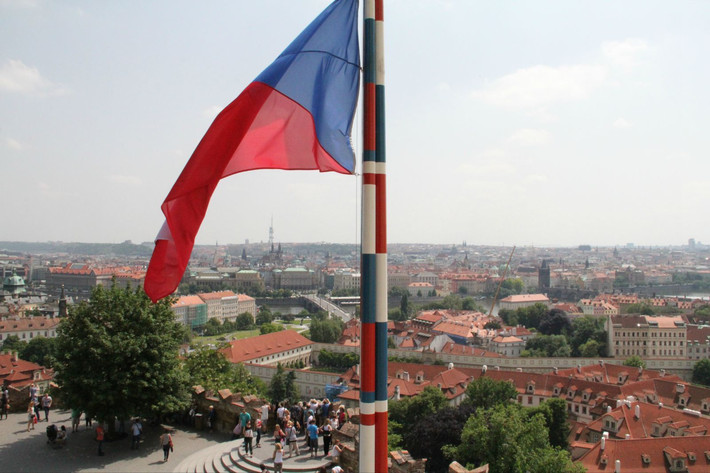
x=228, y=457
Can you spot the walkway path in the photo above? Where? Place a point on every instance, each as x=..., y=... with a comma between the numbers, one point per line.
x=22, y=451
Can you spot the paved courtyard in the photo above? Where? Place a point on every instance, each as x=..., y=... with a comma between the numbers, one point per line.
x=22, y=451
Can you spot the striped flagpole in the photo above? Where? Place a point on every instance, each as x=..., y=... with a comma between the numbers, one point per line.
x=368, y=286
x=380, y=248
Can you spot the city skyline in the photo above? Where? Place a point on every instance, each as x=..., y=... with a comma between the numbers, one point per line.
x=553, y=124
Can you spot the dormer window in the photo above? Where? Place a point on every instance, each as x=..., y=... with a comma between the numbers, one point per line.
x=646, y=459
x=531, y=388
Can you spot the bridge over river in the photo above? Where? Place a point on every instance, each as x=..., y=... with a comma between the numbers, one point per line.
x=311, y=302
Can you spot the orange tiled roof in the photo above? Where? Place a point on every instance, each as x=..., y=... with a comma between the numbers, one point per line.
x=264, y=345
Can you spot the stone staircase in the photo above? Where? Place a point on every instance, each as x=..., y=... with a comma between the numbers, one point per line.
x=228, y=457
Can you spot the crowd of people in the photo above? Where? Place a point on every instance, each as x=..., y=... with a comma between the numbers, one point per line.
x=306, y=422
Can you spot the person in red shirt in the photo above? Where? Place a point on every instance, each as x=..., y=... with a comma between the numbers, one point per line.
x=100, y=438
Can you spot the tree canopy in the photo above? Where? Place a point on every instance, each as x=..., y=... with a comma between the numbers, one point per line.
x=117, y=356
x=701, y=372
x=508, y=439
x=486, y=392
x=211, y=370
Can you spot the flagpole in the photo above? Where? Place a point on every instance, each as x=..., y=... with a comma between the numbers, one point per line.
x=369, y=283
x=381, y=394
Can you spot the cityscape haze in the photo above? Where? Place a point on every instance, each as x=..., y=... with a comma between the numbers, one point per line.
x=538, y=124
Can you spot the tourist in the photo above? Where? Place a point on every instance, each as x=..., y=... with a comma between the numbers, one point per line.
x=336, y=451
x=326, y=430
x=30, y=416
x=312, y=438
x=211, y=418
x=244, y=419
x=75, y=418
x=248, y=437
x=166, y=441
x=341, y=417
x=279, y=435
x=265, y=408
x=258, y=428
x=278, y=458
x=46, y=404
x=4, y=403
x=291, y=439
x=136, y=431
x=100, y=438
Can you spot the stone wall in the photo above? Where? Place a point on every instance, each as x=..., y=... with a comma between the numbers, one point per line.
x=227, y=405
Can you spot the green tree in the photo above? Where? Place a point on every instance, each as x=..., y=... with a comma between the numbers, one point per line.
x=585, y=329
x=270, y=328
x=554, y=411
x=486, y=392
x=643, y=308
x=211, y=370
x=264, y=316
x=635, y=361
x=469, y=304
x=404, y=411
x=40, y=350
x=555, y=322
x=404, y=306
x=701, y=372
x=509, y=441
x=13, y=343
x=590, y=349
x=244, y=321
x=548, y=346
x=283, y=386
x=531, y=316
x=117, y=356
x=326, y=331
x=492, y=325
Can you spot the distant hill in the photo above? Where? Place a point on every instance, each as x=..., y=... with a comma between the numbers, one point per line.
x=127, y=248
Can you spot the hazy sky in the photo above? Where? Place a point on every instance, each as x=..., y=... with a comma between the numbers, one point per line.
x=529, y=123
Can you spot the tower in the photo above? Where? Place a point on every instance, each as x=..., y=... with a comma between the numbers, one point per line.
x=543, y=276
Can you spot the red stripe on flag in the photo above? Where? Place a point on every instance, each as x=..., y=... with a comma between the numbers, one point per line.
x=260, y=129
x=379, y=10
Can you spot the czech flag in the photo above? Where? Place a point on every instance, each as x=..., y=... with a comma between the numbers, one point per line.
x=297, y=114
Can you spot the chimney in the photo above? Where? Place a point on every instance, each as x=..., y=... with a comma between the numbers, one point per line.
x=637, y=411
x=605, y=435
x=627, y=437
x=663, y=373
x=484, y=368
x=603, y=444
x=608, y=409
x=555, y=370
x=396, y=393
x=617, y=466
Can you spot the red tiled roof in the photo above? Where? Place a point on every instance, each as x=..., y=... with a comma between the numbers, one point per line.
x=264, y=345
x=28, y=323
